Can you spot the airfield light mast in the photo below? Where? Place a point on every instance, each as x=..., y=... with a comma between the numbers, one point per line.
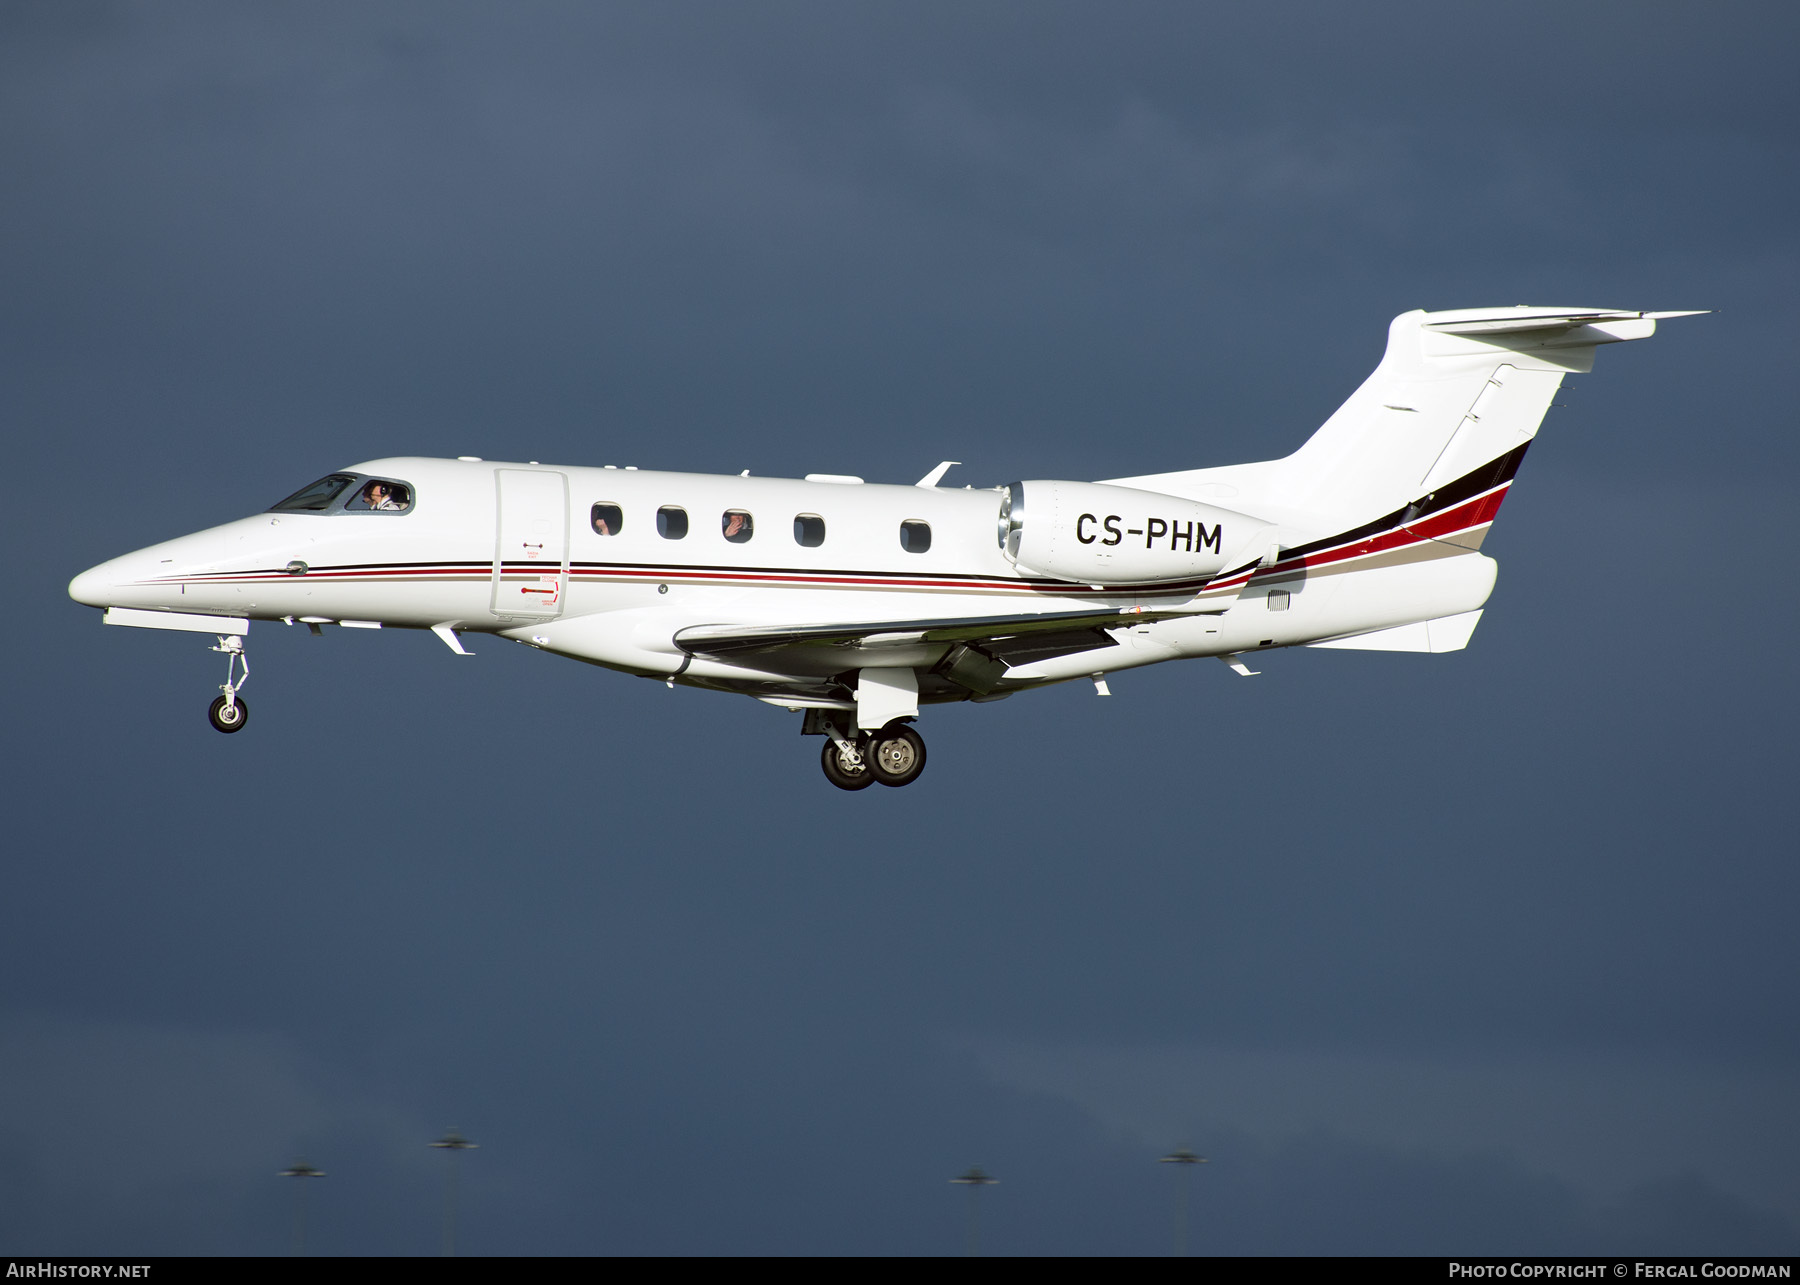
x=300, y=1169
x=451, y=1143
x=1185, y=1160
x=974, y=1180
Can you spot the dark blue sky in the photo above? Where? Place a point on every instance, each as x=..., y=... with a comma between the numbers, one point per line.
x=1481, y=952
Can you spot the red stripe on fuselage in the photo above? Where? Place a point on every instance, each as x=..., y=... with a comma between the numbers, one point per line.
x=1463, y=517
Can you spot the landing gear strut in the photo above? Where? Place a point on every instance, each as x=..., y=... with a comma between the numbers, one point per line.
x=229, y=713
x=893, y=756
x=846, y=763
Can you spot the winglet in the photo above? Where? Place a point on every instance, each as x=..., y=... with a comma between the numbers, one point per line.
x=931, y=479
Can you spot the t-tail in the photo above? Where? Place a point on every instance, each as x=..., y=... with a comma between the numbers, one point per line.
x=1411, y=469
x=1442, y=423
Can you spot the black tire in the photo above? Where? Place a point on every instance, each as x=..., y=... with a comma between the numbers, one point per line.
x=845, y=778
x=217, y=716
x=897, y=755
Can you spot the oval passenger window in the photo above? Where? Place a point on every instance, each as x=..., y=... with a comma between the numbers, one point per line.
x=915, y=537
x=608, y=519
x=737, y=525
x=809, y=530
x=671, y=522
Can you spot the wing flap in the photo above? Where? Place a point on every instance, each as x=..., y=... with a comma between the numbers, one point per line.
x=995, y=634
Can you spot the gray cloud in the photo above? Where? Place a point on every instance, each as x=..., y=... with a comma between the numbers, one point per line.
x=1604, y=1124
x=1414, y=915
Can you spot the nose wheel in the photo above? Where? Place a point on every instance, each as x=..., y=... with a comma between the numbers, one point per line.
x=228, y=712
x=228, y=717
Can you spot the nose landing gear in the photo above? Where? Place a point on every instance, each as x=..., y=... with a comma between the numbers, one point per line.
x=228, y=713
x=228, y=718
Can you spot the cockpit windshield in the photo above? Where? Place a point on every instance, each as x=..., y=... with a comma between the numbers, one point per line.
x=316, y=498
x=349, y=493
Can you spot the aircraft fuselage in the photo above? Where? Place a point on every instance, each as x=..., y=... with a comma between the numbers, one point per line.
x=861, y=602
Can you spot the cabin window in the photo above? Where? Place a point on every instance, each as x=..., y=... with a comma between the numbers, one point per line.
x=737, y=525
x=378, y=495
x=318, y=497
x=809, y=530
x=671, y=522
x=607, y=519
x=915, y=537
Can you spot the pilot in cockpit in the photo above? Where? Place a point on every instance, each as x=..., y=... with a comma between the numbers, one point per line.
x=385, y=497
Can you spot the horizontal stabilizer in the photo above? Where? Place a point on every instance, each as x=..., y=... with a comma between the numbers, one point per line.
x=1446, y=633
x=1508, y=321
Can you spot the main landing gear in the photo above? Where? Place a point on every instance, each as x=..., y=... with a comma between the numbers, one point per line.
x=893, y=756
x=229, y=713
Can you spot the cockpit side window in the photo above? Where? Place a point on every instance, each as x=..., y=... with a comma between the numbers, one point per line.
x=379, y=495
x=317, y=498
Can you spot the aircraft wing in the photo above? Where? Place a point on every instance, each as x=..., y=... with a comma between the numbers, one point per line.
x=1012, y=640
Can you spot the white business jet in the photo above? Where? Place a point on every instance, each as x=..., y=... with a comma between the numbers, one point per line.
x=856, y=604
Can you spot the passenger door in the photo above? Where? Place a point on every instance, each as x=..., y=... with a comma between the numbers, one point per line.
x=531, y=550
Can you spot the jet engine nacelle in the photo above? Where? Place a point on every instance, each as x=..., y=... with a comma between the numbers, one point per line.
x=1099, y=534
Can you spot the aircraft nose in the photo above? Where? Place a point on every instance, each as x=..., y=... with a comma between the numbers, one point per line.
x=93, y=587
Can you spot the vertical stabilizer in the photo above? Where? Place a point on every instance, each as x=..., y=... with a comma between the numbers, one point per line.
x=1446, y=416
x=1455, y=391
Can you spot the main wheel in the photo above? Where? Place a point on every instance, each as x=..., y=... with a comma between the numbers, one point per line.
x=842, y=773
x=897, y=754
x=228, y=718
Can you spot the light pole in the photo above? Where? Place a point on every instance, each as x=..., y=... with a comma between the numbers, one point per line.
x=300, y=1169
x=974, y=1180
x=1186, y=1160
x=451, y=1143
